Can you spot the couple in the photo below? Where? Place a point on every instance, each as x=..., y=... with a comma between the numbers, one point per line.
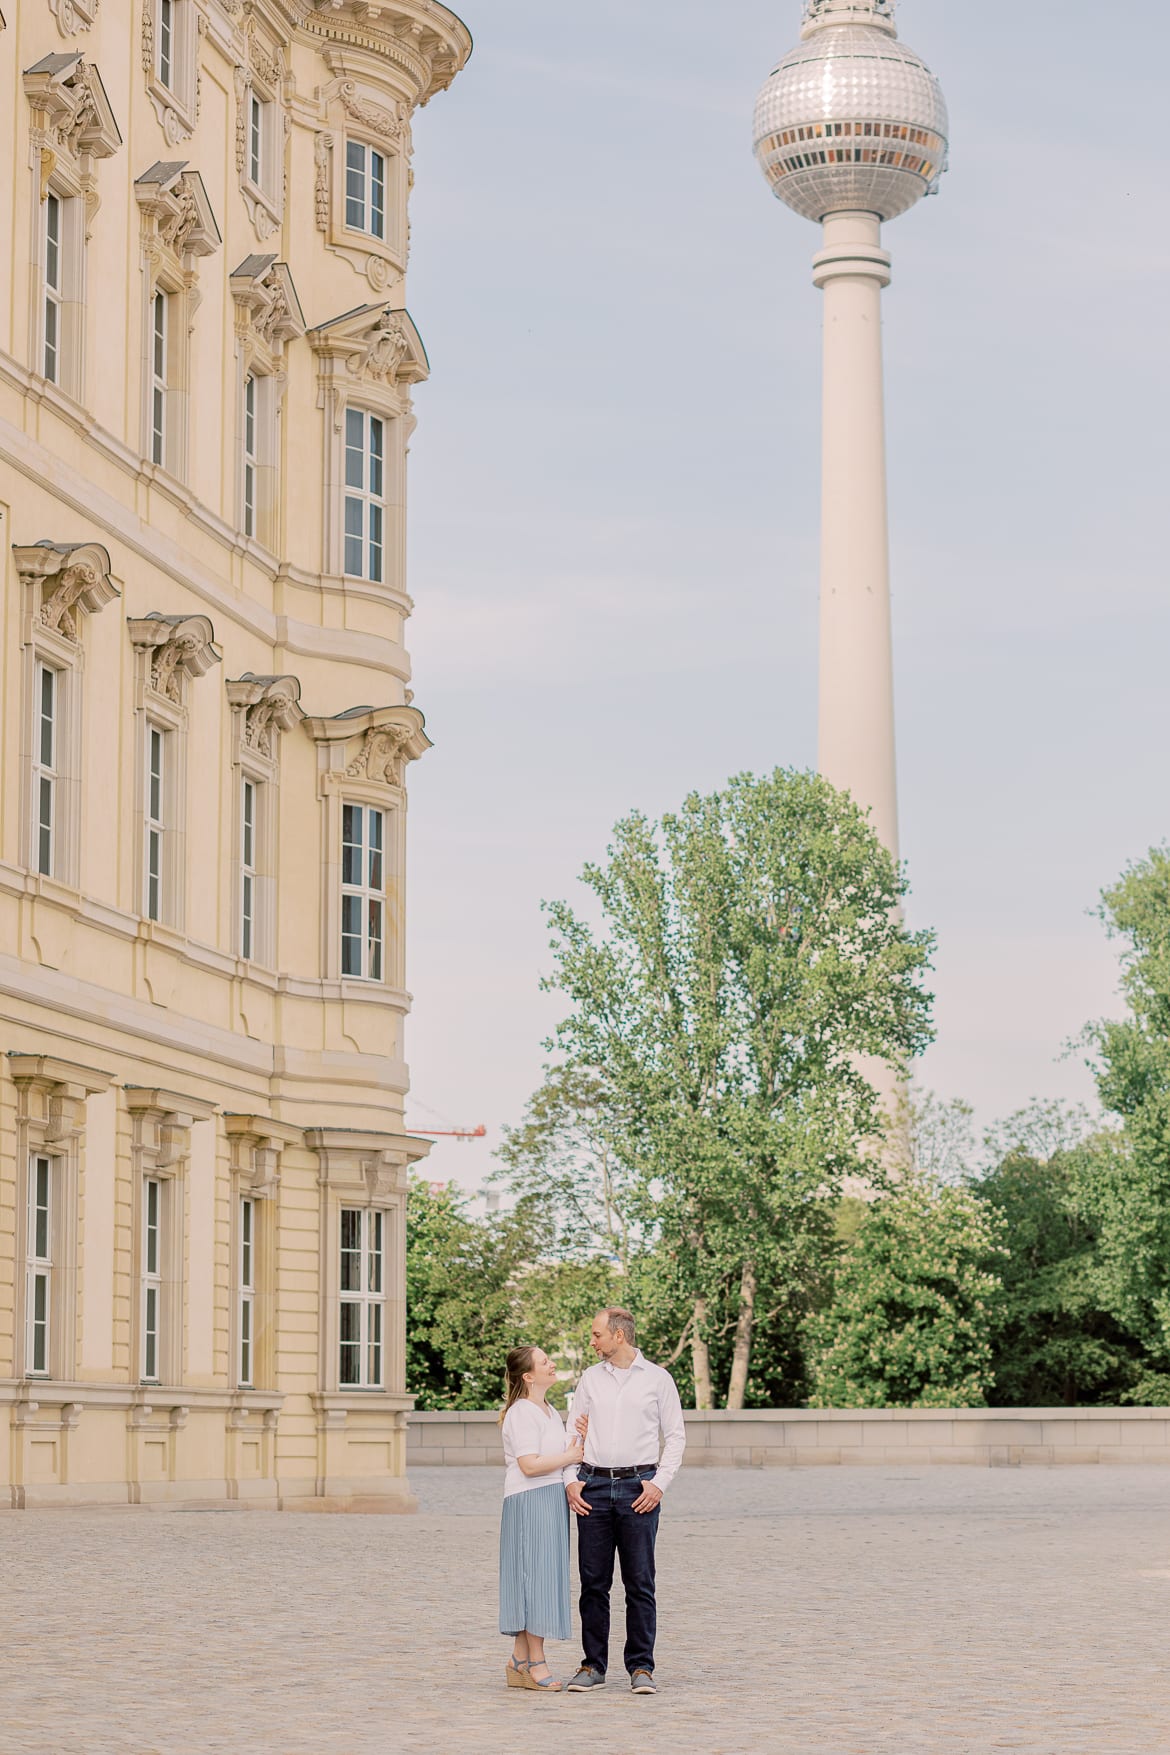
x=611, y=1478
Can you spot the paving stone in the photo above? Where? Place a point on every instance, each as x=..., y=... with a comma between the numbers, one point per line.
x=949, y=1612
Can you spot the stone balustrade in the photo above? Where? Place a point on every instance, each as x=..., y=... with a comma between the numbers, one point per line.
x=812, y=1437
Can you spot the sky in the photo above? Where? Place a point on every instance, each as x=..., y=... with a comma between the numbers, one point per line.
x=614, y=505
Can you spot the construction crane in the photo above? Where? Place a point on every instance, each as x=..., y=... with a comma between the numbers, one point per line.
x=452, y=1133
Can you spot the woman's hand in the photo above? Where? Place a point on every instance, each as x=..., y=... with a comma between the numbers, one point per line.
x=583, y=1426
x=575, y=1453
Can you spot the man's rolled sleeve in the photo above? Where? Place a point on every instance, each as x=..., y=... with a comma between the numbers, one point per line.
x=674, y=1433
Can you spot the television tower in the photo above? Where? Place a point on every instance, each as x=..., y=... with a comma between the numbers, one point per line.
x=851, y=130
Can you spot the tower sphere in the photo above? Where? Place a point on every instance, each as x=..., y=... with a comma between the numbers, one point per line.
x=851, y=119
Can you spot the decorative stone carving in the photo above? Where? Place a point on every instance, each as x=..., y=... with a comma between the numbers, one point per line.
x=390, y=738
x=162, y=1122
x=176, y=214
x=322, y=158
x=268, y=312
x=425, y=53
x=179, y=646
x=384, y=347
x=377, y=344
x=73, y=580
x=383, y=755
x=73, y=15
x=72, y=124
x=377, y=118
x=267, y=704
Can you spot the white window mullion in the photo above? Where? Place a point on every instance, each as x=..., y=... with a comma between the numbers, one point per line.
x=151, y=1277
x=154, y=826
x=365, y=189
x=159, y=374
x=249, y=876
x=363, y=891
x=166, y=43
x=361, y=1350
x=54, y=283
x=39, y=1280
x=251, y=455
x=365, y=488
x=45, y=774
x=247, y=1293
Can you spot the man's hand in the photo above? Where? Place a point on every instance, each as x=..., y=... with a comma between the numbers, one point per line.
x=649, y=1497
x=577, y=1501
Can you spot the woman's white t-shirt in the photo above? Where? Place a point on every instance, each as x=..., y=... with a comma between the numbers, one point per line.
x=529, y=1430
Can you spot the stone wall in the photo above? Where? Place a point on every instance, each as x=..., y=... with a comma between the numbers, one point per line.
x=983, y=1437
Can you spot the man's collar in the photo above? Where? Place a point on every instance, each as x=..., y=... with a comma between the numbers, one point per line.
x=633, y=1365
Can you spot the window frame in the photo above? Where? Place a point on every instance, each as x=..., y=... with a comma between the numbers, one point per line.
x=367, y=182
x=366, y=894
x=46, y=774
x=156, y=820
x=361, y=500
x=64, y=292
x=159, y=354
x=259, y=444
x=367, y=1299
x=170, y=62
x=151, y=1279
x=41, y=1266
x=247, y=1290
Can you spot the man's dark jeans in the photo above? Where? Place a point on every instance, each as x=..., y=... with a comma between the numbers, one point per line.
x=614, y=1527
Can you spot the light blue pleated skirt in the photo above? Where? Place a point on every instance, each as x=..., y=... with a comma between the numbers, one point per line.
x=534, y=1563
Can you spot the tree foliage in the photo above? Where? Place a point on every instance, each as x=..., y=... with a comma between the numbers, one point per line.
x=915, y=1304
x=751, y=953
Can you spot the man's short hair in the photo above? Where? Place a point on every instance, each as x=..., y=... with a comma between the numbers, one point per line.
x=620, y=1322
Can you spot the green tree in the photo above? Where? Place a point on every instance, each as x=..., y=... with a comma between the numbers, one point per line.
x=751, y=954
x=914, y=1308
x=463, y=1305
x=1126, y=1188
x=563, y=1157
x=1058, y=1345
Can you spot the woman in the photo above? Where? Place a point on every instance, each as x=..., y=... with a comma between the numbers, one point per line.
x=534, y=1529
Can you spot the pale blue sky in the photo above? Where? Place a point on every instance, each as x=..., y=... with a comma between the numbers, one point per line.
x=614, y=501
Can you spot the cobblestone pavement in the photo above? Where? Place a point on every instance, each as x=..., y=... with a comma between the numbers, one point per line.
x=822, y=1612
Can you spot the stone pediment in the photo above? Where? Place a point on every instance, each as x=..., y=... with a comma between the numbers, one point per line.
x=267, y=704
x=71, y=102
x=174, y=204
x=375, y=344
x=372, y=744
x=267, y=300
x=178, y=646
x=73, y=579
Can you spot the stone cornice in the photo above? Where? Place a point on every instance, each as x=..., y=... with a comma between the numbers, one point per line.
x=266, y=702
x=419, y=44
x=390, y=737
x=176, y=211
x=72, y=110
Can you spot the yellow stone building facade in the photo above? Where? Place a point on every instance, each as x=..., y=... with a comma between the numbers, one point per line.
x=206, y=377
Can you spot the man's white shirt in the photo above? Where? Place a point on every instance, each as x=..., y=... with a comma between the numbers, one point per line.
x=627, y=1411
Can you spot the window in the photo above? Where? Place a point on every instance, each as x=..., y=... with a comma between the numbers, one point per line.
x=152, y=1200
x=251, y=456
x=249, y=887
x=362, y=1297
x=247, y=1292
x=364, y=487
x=46, y=778
x=54, y=281
x=365, y=189
x=363, y=886
x=166, y=43
x=159, y=363
x=39, y=1301
x=256, y=139
x=155, y=837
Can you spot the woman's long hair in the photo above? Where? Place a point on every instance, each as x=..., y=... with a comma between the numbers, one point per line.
x=519, y=1360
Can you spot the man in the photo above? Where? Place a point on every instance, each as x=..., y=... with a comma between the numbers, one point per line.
x=616, y=1492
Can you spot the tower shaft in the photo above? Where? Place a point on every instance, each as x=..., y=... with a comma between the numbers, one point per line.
x=856, y=748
